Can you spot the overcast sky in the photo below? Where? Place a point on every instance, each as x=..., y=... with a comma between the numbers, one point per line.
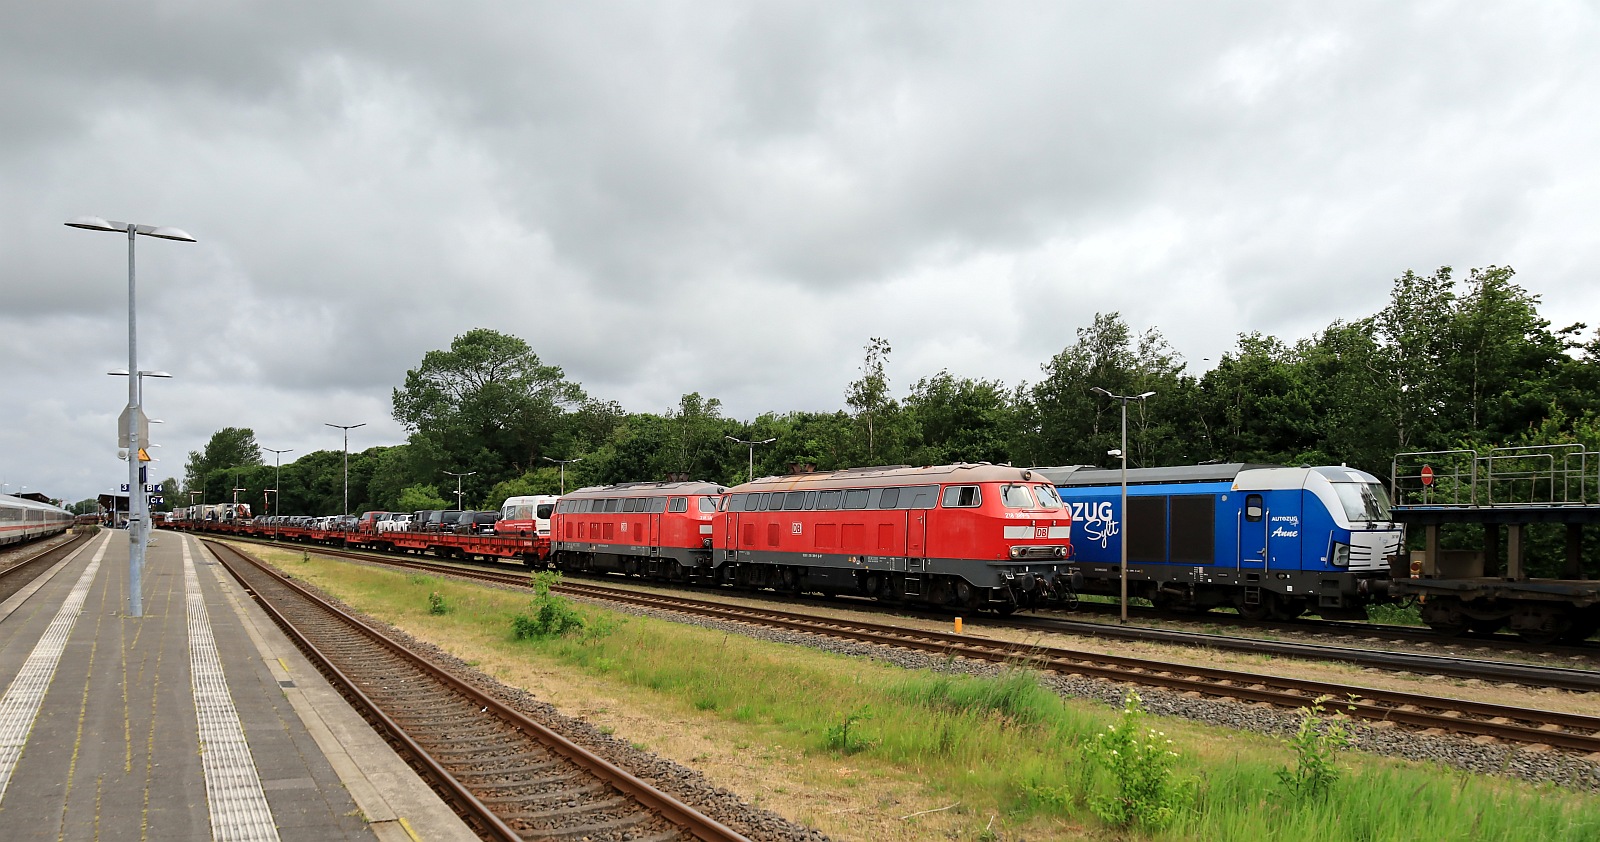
x=732, y=198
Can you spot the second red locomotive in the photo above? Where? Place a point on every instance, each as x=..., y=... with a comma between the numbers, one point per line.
x=971, y=536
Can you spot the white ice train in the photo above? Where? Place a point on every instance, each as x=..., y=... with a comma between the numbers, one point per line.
x=22, y=519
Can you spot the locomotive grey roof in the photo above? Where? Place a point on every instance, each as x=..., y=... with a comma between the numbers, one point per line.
x=1086, y=475
x=648, y=489
x=891, y=475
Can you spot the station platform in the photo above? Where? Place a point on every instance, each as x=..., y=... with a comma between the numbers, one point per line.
x=198, y=720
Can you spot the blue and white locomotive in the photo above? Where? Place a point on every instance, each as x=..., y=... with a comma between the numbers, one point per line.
x=1268, y=540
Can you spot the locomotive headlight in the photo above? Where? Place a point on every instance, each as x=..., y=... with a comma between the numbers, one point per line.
x=1016, y=552
x=1340, y=557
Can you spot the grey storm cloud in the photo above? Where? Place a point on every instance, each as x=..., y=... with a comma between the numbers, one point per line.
x=732, y=198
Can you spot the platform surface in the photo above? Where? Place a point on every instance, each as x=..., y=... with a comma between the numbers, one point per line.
x=197, y=720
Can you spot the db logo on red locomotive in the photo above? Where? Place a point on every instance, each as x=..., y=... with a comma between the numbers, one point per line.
x=1041, y=532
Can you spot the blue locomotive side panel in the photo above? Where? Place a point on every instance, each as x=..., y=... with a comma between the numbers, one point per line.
x=1270, y=541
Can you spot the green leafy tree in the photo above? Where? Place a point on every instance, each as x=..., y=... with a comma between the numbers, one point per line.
x=959, y=420
x=869, y=396
x=229, y=447
x=696, y=429
x=420, y=497
x=488, y=404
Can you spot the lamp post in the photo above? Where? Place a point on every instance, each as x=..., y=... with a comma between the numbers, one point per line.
x=752, y=445
x=346, y=428
x=1123, y=455
x=277, y=465
x=137, y=507
x=563, y=463
x=137, y=452
x=458, y=486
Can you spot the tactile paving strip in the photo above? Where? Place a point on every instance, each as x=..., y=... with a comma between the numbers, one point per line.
x=239, y=808
x=20, y=706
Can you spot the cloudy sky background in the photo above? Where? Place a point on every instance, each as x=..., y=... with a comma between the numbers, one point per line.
x=732, y=198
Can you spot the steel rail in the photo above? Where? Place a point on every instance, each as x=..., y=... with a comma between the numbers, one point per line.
x=691, y=820
x=1576, y=732
x=17, y=576
x=1561, y=678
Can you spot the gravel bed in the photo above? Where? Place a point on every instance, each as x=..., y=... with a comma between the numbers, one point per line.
x=1539, y=766
x=677, y=780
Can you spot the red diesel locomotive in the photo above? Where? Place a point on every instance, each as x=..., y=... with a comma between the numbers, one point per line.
x=655, y=529
x=972, y=536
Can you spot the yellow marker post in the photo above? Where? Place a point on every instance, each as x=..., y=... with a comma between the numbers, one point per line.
x=958, y=625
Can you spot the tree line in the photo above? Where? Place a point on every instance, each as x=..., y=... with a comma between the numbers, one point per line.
x=1449, y=363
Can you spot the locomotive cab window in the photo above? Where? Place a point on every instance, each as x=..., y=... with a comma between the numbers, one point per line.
x=829, y=500
x=889, y=498
x=707, y=504
x=962, y=497
x=679, y=504
x=1252, y=507
x=856, y=498
x=1016, y=497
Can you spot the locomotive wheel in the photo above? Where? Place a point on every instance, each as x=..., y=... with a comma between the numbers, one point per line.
x=1260, y=611
x=1286, y=609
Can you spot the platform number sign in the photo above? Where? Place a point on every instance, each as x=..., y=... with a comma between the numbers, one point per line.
x=1427, y=475
x=156, y=499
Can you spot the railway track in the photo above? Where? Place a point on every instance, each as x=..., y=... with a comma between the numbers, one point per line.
x=1470, y=668
x=510, y=777
x=25, y=569
x=1571, y=732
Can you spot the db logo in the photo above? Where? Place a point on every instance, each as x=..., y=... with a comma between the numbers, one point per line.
x=1041, y=532
x=794, y=527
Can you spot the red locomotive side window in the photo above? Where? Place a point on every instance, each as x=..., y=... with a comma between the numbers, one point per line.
x=962, y=496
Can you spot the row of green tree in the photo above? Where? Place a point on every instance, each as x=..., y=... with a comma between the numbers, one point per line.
x=1448, y=363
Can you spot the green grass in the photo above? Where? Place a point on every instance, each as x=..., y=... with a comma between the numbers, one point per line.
x=1002, y=745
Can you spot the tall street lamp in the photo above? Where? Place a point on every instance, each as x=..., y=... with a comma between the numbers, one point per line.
x=277, y=465
x=346, y=428
x=138, y=507
x=1123, y=455
x=458, y=486
x=563, y=463
x=752, y=445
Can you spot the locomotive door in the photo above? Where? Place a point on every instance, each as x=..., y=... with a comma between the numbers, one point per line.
x=1253, y=522
x=655, y=533
x=917, y=533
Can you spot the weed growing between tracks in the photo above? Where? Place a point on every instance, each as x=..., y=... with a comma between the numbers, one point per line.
x=1004, y=754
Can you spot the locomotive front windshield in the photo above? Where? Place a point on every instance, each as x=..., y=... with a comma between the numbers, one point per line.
x=1048, y=498
x=1364, y=502
x=1016, y=497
